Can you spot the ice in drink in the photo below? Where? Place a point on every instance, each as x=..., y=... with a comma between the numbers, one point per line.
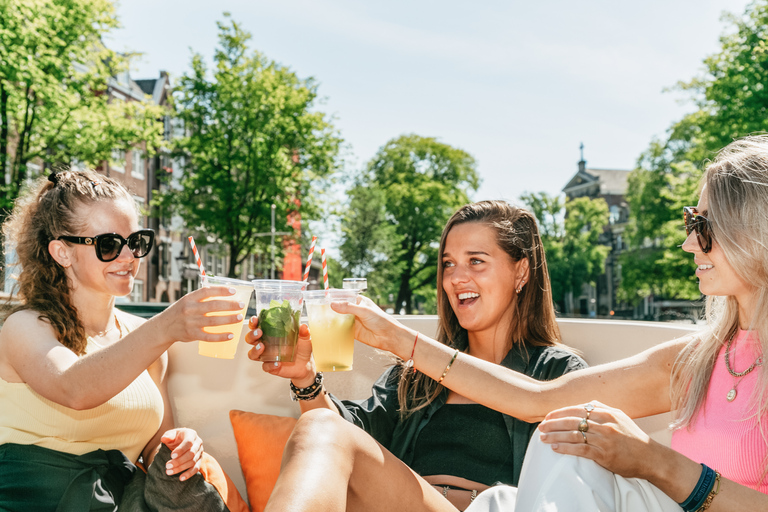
x=226, y=349
x=333, y=334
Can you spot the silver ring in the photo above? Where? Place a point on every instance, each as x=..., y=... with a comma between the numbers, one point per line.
x=584, y=435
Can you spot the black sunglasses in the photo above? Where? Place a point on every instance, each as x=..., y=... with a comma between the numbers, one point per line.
x=699, y=224
x=109, y=245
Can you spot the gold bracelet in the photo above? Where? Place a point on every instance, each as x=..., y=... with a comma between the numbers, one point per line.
x=455, y=354
x=711, y=496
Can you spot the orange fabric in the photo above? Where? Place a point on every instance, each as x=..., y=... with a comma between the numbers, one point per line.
x=260, y=441
x=214, y=475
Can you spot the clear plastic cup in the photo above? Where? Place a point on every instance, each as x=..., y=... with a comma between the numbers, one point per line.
x=333, y=334
x=279, y=304
x=226, y=349
x=355, y=283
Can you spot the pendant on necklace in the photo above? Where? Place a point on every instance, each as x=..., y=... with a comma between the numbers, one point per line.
x=731, y=396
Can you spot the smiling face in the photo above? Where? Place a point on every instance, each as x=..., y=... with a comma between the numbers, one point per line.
x=479, y=278
x=114, y=278
x=716, y=276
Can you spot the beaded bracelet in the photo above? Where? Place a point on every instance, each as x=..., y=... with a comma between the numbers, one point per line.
x=310, y=392
x=703, y=489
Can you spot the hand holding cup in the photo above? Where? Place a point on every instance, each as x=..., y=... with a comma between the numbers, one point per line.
x=301, y=369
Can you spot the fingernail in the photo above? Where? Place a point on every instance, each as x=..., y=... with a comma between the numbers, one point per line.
x=182, y=478
x=242, y=305
x=169, y=472
x=169, y=465
x=254, y=318
x=543, y=437
x=174, y=455
x=258, y=346
x=257, y=332
x=232, y=291
x=240, y=317
x=230, y=336
x=277, y=364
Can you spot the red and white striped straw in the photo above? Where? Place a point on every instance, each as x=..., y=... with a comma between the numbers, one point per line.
x=325, y=269
x=309, y=259
x=198, y=261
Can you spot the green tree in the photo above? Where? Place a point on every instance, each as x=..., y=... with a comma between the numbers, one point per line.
x=54, y=70
x=409, y=191
x=370, y=241
x=253, y=139
x=732, y=95
x=654, y=264
x=570, y=232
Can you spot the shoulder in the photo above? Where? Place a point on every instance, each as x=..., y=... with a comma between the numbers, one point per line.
x=26, y=324
x=553, y=361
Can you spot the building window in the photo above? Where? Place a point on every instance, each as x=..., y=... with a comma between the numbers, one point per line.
x=137, y=294
x=614, y=214
x=117, y=163
x=140, y=206
x=137, y=169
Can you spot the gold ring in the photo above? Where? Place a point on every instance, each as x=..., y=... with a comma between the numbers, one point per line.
x=583, y=425
x=584, y=435
x=589, y=408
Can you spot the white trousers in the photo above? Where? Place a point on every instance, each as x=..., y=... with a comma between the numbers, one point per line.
x=551, y=482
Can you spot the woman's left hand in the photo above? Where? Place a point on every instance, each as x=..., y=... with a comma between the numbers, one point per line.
x=609, y=437
x=186, y=452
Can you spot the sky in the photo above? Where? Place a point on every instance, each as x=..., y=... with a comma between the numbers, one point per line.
x=519, y=85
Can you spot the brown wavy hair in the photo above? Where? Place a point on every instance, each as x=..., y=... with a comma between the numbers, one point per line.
x=533, y=324
x=50, y=209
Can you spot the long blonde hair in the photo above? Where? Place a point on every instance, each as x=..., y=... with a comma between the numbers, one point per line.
x=51, y=209
x=533, y=323
x=737, y=190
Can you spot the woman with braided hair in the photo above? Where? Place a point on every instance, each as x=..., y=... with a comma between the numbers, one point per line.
x=83, y=392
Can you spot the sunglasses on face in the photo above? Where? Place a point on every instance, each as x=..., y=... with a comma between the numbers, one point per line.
x=109, y=245
x=699, y=224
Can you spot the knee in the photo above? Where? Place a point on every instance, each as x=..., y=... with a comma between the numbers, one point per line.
x=318, y=429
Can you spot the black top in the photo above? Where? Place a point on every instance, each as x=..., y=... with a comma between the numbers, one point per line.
x=465, y=440
x=379, y=415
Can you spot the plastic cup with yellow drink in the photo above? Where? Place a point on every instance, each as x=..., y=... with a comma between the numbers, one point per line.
x=333, y=334
x=226, y=349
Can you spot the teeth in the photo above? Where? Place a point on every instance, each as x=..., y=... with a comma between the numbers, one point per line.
x=122, y=273
x=468, y=295
x=706, y=267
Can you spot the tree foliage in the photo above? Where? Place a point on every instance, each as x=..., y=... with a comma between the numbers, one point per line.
x=570, y=232
x=731, y=100
x=54, y=71
x=654, y=264
x=398, y=208
x=253, y=138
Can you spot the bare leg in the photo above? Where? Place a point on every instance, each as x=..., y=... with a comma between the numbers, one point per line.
x=330, y=465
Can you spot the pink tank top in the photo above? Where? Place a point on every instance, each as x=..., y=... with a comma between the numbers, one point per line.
x=725, y=435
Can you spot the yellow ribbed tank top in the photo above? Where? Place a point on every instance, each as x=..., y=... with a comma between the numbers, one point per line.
x=126, y=422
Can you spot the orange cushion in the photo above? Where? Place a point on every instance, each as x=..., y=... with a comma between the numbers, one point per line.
x=260, y=441
x=215, y=475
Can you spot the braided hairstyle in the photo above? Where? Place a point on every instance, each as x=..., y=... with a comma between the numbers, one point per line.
x=51, y=208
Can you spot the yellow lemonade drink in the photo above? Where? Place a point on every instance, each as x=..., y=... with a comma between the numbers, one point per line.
x=226, y=349
x=333, y=334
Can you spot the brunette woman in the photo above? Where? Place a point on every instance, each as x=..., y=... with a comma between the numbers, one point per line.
x=495, y=305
